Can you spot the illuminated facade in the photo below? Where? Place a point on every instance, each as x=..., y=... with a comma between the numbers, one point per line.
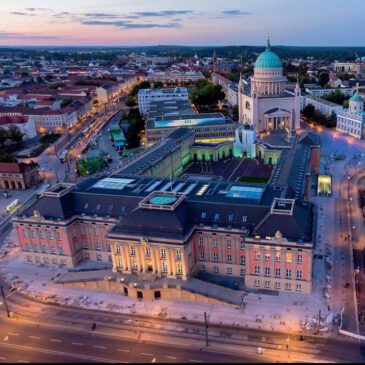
x=264, y=103
x=261, y=234
x=207, y=127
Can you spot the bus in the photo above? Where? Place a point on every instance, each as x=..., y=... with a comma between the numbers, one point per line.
x=13, y=205
x=63, y=155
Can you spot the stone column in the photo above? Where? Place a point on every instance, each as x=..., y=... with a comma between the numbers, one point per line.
x=114, y=261
x=173, y=262
x=126, y=253
x=185, y=266
x=247, y=259
x=141, y=258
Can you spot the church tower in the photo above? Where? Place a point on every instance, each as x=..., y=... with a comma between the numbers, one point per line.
x=356, y=102
x=297, y=93
x=214, y=61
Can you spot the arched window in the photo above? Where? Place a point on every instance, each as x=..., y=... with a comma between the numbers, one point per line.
x=248, y=106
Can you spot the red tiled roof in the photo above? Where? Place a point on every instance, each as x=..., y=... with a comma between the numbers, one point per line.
x=13, y=119
x=14, y=167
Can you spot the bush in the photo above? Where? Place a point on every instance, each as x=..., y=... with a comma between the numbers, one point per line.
x=130, y=101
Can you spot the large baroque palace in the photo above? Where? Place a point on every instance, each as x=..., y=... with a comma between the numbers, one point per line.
x=262, y=234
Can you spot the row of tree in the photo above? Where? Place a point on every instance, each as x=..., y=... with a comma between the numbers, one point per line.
x=135, y=127
x=316, y=116
x=206, y=94
x=337, y=97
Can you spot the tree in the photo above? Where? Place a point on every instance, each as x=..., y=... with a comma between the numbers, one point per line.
x=39, y=79
x=130, y=101
x=142, y=85
x=7, y=157
x=157, y=84
x=323, y=78
x=24, y=74
x=331, y=122
x=4, y=135
x=205, y=93
x=65, y=102
x=336, y=97
x=136, y=125
x=15, y=134
x=49, y=77
x=303, y=79
x=308, y=111
x=346, y=103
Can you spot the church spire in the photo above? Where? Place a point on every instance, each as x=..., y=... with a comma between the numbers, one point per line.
x=268, y=46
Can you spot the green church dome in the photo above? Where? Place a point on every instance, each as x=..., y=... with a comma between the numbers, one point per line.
x=268, y=59
x=356, y=97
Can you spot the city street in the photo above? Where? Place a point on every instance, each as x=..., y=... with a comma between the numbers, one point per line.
x=336, y=226
x=26, y=343
x=55, y=330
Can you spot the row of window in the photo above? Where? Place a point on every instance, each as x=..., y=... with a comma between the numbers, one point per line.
x=288, y=286
x=54, y=260
x=132, y=251
x=288, y=256
x=267, y=257
x=135, y=266
x=42, y=234
x=288, y=272
x=44, y=249
x=228, y=270
x=216, y=258
x=215, y=242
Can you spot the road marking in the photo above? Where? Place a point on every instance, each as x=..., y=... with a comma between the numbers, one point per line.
x=146, y=354
x=171, y=357
x=121, y=350
x=100, y=347
x=77, y=343
x=314, y=361
x=60, y=353
x=34, y=337
x=23, y=361
x=195, y=360
x=55, y=340
x=2, y=358
x=13, y=334
x=6, y=338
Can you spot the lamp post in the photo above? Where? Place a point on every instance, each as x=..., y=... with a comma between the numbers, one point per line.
x=5, y=301
x=206, y=328
x=287, y=344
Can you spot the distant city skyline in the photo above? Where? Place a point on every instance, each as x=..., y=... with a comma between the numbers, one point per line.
x=175, y=22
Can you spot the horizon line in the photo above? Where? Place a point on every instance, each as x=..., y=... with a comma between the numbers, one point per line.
x=175, y=45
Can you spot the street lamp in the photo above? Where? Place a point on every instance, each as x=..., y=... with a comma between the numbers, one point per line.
x=5, y=302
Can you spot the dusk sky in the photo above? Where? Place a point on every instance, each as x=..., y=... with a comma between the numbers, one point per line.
x=182, y=22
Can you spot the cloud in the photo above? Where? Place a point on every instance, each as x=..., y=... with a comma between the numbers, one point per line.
x=129, y=25
x=235, y=12
x=101, y=15
x=9, y=35
x=21, y=13
x=162, y=13
x=35, y=9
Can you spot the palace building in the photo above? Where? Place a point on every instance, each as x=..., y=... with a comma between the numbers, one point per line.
x=170, y=227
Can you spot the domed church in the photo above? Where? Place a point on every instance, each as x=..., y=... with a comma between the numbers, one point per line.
x=263, y=102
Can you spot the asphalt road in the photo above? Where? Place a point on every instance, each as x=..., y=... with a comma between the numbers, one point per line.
x=25, y=343
x=181, y=338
